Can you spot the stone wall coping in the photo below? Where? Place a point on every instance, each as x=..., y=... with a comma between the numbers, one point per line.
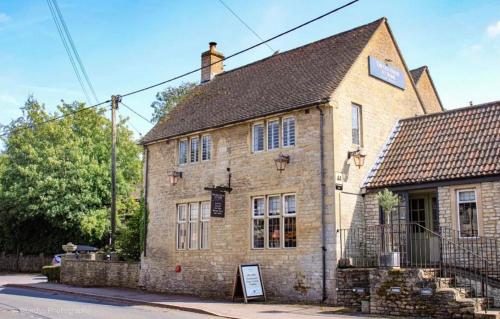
x=103, y=261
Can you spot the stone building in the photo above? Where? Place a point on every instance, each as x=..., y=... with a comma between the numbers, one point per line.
x=289, y=140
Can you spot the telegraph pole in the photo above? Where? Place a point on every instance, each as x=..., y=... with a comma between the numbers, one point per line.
x=115, y=99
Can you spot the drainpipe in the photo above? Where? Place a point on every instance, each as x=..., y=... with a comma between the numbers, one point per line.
x=322, y=194
x=146, y=186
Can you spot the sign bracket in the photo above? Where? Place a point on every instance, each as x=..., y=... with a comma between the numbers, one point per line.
x=222, y=188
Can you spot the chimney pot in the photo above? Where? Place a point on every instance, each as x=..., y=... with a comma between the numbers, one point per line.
x=211, y=62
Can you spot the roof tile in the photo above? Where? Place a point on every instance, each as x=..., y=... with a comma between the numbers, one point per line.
x=455, y=144
x=279, y=83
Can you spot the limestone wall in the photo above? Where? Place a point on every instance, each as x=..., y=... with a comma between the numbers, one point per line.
x=288, y=273
x=93, y=273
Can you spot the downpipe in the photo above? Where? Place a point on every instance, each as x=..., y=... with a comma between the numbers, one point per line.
x=322, y=194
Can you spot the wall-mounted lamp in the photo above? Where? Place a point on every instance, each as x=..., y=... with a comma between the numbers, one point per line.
x=174, y=177
x=281, y=161
x=358, y=156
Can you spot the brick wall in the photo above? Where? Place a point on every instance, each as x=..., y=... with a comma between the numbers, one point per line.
x=93, y=273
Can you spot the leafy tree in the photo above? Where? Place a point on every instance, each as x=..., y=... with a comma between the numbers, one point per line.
x=167, y=99
x=55, y=178
x=129, y=242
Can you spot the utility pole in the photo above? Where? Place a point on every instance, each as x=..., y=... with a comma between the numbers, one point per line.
x=115, y=99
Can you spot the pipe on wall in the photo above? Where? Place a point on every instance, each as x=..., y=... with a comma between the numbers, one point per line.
x=322, y=194
x=146, y=186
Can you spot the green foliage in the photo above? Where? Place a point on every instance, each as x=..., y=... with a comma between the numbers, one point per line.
x=55, y=178
x=387, y=200
x=129, y=242
x=53, y=273
x=167, y=99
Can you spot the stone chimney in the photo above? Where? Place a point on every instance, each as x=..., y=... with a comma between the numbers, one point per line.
x=209, y=57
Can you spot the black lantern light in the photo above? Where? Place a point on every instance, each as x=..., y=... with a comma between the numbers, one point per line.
x=174, y=177
x=281, y=161
x=358, y=156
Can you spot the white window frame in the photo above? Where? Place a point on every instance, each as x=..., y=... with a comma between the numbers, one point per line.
x=209, y=151
x=285, y=214
x=197, y=223
x=187, y=151
x=279, y=217
x=197, y=154
x=268, y=123
x=359, y=112
x=266, y=217
x=179, y=222
x=259, y=217
x=283, y=131
x=457, y=194
x=207, y=229
x=263, y=137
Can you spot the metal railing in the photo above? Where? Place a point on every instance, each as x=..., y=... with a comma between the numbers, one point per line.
x=467, y=265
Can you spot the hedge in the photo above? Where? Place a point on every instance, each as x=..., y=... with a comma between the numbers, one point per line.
x=53, y=273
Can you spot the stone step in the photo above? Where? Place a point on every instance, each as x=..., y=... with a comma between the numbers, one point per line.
x=490, y=314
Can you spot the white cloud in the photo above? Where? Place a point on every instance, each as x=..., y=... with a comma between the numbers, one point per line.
x=493, y=30
x=4, y=18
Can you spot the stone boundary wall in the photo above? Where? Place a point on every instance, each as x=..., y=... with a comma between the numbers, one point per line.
x=377, y=283
x=349, y=285
x=97, y=273
x=22, y=263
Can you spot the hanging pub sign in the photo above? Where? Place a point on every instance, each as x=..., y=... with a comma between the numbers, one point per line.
x=218, y=204
x=386, y=73
x=248, y=283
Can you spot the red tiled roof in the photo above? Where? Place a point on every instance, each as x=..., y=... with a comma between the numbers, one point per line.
x=455, y=144
x=279, y=83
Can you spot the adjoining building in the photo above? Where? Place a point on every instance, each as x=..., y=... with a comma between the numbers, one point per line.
x=289, y=141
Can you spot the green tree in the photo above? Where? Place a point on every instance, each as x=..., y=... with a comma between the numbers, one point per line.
x=55, y=178
x=130, y=239
x=167, y=99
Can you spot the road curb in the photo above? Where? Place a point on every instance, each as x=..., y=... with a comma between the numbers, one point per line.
x=122, y=300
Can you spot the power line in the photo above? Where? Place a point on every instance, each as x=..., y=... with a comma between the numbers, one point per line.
x=242, y=51
x=246, y=24
x=75, y=51
x=68, y=52
x=136, y=113
x=195, y=70
x=54, y=119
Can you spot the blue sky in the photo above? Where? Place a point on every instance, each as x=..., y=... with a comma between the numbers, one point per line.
x=126, y=45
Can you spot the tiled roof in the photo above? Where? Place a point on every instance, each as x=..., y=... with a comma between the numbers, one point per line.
x=456, y=144
x=282, y=82
x=417, y=73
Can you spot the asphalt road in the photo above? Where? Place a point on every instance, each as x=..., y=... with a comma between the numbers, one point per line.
x=18, y=303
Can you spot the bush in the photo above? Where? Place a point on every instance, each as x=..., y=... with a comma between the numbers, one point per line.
x=53, y=273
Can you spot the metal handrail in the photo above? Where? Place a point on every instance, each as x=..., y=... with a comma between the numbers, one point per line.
x=467, y=266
